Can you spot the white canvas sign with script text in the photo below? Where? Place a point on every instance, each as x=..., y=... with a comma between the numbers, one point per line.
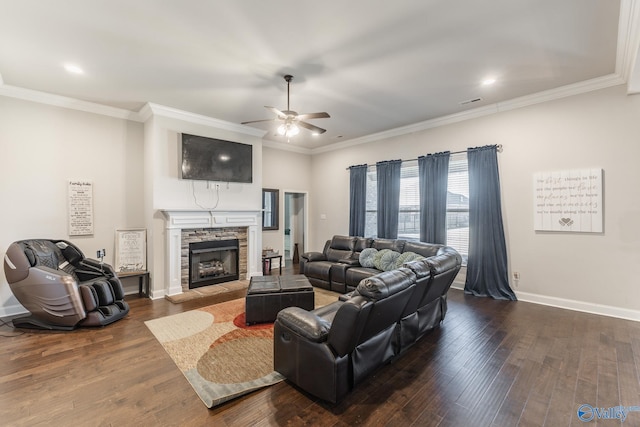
x=568, y=200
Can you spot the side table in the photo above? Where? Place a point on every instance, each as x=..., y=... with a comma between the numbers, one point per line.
x=266, y=262
x=143, y=279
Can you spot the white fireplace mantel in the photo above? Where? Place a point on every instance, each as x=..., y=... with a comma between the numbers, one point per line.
x=178, y=220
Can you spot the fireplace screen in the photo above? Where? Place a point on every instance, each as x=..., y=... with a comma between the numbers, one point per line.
x=213, y=262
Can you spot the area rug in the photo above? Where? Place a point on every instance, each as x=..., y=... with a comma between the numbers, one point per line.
x=220, y=356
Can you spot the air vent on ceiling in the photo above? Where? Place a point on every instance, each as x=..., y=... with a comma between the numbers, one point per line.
x=470, y=101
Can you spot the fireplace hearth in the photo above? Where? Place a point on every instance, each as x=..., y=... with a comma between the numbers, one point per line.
x=213, y=262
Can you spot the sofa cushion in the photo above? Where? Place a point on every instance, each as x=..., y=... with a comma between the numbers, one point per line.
x=340, y=247
x=385, y=259
x=367, y=257
x=422, y=248
x=362, y=243
x=356, y=274
x=305, y=323
x=386, y=283
x=318, y=270
x=441, y=263
x=343, y=243
x=394, y=245
x=420, y=268
x=407, y=257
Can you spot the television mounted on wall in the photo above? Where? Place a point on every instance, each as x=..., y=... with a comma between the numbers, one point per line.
x=209, y=159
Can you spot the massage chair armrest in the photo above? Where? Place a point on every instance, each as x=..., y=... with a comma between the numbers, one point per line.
x=314, y=256
x=304, y=323
x=95, y=265
x=90, y=269
x=42, y=274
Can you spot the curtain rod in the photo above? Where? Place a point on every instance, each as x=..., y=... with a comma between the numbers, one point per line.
x=498, y=149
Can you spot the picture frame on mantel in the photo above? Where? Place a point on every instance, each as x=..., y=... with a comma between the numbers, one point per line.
x=131, y=250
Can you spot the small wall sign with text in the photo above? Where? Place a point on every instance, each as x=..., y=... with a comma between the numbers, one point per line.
x=568, y=201
x=80, y=206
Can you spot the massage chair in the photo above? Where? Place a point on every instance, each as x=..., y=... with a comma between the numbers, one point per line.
x=60, y=287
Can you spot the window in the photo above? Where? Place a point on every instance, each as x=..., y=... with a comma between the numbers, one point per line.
x=409, y=216
x=458, y=204
x=371, y=214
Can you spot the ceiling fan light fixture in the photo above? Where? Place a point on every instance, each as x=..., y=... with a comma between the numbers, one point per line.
x=288, y=130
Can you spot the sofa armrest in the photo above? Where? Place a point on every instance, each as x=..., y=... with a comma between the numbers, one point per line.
x=314, y=256
x=304, y=323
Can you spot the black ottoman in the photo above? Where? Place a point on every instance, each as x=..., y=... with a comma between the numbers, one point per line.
x=267, y=295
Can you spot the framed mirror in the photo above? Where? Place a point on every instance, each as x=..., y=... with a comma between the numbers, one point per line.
x=270, y=208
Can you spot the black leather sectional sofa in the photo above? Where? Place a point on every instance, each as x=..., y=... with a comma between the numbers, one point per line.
x=338, y=269
x=328, y=351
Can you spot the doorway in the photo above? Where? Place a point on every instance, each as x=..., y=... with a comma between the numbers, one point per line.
x=295, y=223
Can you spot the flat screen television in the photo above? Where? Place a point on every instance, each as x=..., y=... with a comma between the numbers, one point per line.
x=210, y=159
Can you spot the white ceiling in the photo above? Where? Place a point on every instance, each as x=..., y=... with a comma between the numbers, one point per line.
x=373, y=66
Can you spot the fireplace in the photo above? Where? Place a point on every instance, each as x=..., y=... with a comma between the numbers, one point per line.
x=213, y=262
x=186, y=227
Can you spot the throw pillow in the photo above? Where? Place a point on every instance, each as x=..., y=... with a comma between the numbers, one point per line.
x=367, y=257
x=407, y=257
x=386, y=259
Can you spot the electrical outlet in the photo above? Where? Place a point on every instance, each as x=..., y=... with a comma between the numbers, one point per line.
x=516, y=275
x=101, y=253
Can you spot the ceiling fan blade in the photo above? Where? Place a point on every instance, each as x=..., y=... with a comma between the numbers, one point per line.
x=279, y=113
x=258, y=121
x=311, y=127
x=313, y=116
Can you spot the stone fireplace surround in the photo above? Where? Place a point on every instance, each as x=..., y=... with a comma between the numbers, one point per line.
x=220, y=225
x=199, y=235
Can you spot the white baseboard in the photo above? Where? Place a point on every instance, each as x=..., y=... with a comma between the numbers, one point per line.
x=586, y=307
x=568, y=304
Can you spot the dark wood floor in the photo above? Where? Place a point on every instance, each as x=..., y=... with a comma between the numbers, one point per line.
x=491, y=363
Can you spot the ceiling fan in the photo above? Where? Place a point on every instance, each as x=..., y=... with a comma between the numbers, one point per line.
x=291, y=120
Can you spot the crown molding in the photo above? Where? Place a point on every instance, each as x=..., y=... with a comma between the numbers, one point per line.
x=520, y=102
x=628, y=53
x=151, y=109
x=562, y=92
x=66, y=102
x=628, y=38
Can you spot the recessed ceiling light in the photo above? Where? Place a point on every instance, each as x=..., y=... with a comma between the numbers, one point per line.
x=73, y=69
x=489, y=81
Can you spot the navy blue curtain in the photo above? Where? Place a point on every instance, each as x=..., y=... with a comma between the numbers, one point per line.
x=388, y=175
x=357, y=199
x=433, y=177
x=487, y=265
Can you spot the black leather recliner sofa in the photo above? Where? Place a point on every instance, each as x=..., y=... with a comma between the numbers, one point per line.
x=60, y=287
x=338, y=269
x=328, y=351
